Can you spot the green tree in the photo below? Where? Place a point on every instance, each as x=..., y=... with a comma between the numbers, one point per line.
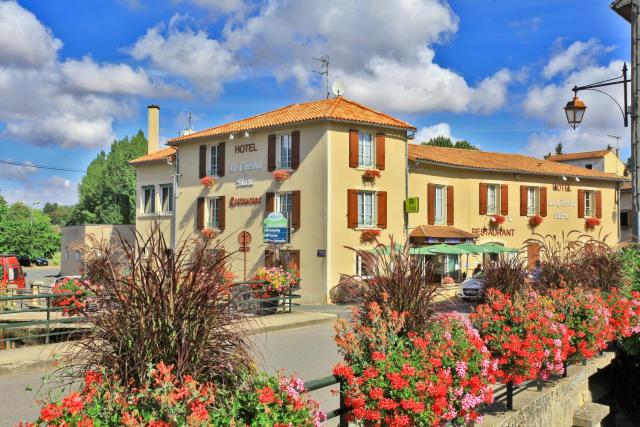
x=107, y=193
x=59, y=214
x=559, y=148
x=443, y=141
x=19, y=235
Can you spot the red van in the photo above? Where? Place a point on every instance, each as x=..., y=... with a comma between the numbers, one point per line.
x=10, y=272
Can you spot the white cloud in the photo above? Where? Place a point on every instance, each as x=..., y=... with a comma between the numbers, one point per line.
x=23, y=40
x=54, y=189
x=85, y=75
x=541, y=143
x=439, y=129
x=225, y=6
x=526, y=26
x=383, y=53
x=17, y=172
x=187, y=53
x=578, y=55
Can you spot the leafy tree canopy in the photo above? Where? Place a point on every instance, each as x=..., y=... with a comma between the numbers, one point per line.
x=107, y=193
x=18, y=235
x=58, y=214
x=443, y=141
x=559, y=148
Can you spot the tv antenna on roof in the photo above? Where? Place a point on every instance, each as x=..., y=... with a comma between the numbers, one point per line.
x=324, y=70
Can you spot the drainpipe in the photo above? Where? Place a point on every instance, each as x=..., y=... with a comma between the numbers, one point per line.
x=174, y=222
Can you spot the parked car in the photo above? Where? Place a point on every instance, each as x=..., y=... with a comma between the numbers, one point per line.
x=11, y=272
x=39, y=261
x=472, y=288
x=24, y=260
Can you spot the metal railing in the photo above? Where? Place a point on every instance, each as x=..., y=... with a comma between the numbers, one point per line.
x=249, y=298
x=342, y=410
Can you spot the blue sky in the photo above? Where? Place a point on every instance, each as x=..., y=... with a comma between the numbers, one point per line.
x=75, y=74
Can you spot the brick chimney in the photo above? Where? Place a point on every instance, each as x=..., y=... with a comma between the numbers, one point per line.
x=153, y=129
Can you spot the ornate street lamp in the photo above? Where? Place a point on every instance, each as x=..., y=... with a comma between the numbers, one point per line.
x=575, y=108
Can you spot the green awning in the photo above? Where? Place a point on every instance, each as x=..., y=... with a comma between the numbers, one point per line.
x=443, y=248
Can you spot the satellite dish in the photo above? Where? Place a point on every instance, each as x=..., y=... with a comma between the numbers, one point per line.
x=337, y=88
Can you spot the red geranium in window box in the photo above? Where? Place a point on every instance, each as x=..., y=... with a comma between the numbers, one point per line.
x=591, y=223
x=496, y=220
x=281, y=175
x=371, y=174
x=207, y=181
x=535, y=221
x=369, y=235
x=208, y=233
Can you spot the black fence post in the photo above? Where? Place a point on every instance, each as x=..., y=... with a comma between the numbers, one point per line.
x=343, y=407
x=510, y=396
x=565, y=366
x=46, y=340
x=539, y=383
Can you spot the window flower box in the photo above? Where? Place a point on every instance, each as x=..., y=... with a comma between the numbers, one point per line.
x=208, y=233
x=591, y=223
x=496, y=220
x=369, y=235
x=207, y=181
x=371, y=174
x=535, y=221
x=281, y=175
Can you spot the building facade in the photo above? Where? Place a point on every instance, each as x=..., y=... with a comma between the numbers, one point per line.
x=350, y=169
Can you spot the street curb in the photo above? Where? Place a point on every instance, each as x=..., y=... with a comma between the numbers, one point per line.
x=263, y=325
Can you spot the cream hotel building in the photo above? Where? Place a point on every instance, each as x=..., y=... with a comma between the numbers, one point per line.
x=329, y=147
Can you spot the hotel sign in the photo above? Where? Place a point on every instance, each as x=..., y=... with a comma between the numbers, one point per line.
x=245, y=148
x=245, y=166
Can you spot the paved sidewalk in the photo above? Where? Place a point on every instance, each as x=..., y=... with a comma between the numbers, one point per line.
x=18, y=360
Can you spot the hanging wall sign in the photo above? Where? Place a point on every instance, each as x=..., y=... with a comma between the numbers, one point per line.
x=245, y=148
x=275, y=228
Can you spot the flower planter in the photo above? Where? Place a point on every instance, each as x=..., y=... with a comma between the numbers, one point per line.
x=281, y=175
x=207, y=181
x=535, y=221
x=496, y=220
x=369, y=235
x=370, y=175
x=208, y=233
x=591, y=223
x=269, y=307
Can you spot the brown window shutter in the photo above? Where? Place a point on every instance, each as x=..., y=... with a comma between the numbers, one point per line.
x=598, y=204
x=504, y=199
x=543, y=201
x=270, y=202
x=352, y=208
x=431, y=204
x=271, y=153
x=295, y=215
x=382, y=209
x=353, y=148
x=380, y=150
x=580, y=203
x=221, y=159
x=200, y=213
x=484, y=188
x=221, y=212
x=202, y=162
x=523, y=200
x=450, y=213
x=295, y=149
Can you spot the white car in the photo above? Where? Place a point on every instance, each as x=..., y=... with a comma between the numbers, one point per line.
x=472, y=287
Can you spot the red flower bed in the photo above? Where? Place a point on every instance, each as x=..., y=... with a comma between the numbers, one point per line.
x=438, y=377
x=535, y=221
x=74, y=296
x=369, y=235
x=586, y=314
x=526, y=336
x=371, y=174
x=591, y=223
x=166, y=402
x=624, y=319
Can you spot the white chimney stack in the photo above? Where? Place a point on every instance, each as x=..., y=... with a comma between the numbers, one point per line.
x=153, y=129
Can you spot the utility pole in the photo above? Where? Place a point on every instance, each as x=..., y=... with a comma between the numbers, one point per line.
x=628, y=9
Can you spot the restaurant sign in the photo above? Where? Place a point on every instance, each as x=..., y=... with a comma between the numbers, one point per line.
x=244, y=201
x=496, y=232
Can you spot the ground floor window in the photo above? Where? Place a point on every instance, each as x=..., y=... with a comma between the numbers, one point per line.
x=214, y=213
x=589, y=203
x=149, y=199
x=361, y=268
x=166, y=198
x=366, y=208
x=624, y=219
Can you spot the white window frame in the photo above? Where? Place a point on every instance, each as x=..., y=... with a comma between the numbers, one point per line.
x=152, y=188
x=284, y=151
x=366, y=150
x=440, y=207
x=284, y=199
x=495, y=208
x=367, y=219
x=358, y=265
x=212, y=167
x=533, y=201
x=589, y=203
x=212, y=212
x=170, y=207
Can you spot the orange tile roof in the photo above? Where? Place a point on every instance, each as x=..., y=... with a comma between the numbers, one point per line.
x=441, y=232
x=338, y=108
x=502, y=162
x=165, y=153
x=578, y=156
